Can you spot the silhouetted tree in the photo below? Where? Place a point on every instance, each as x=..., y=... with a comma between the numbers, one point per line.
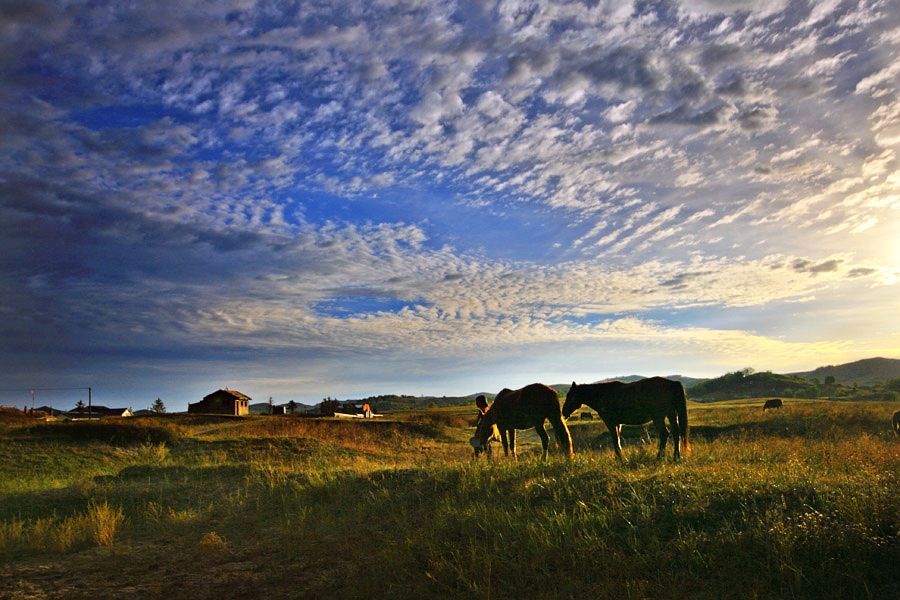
x=329, y=406
x=158, y=406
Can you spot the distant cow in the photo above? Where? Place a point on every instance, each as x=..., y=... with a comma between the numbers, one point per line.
x=773, y=403
x=895, y=420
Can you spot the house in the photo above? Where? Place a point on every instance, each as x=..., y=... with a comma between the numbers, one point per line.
x=222, y=402
x=94, y=412
x=112, y=412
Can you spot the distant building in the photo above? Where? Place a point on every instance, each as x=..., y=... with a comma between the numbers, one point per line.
x=222, y=402
x=94, y=412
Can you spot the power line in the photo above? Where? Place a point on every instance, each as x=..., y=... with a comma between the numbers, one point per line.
x=44, y=389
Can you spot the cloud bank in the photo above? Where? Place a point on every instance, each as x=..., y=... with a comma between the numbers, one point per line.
x=471, y=193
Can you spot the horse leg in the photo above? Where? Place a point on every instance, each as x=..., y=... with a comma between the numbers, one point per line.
x=545, y=439
x=505, y=441
x=512, y=443
x=676, y=434
x=663, y=434
x=614, y=434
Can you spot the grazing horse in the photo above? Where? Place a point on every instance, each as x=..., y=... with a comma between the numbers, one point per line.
x=895, y=421
x=482, y=404
x=773, y=403
x=523, y=409
x=636, y=403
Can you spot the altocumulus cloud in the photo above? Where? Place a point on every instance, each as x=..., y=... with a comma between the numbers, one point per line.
x=444, y=184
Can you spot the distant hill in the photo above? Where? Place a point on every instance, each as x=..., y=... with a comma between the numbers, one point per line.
x=379, y=403
x=401, y=402
x=868, y=371
x=747, y=384
x=262, y=408
x=867, y=374
x=731, y=385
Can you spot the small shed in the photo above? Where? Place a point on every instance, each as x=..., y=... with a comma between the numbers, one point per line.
x=222, y=402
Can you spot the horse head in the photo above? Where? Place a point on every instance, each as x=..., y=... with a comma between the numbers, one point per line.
x=572, y=403
x=484, y=435
x=485, y=428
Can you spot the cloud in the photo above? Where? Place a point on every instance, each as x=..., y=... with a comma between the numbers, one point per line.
x=359, y=178
x=703, y=8
x=756, y=118
x=801, y=265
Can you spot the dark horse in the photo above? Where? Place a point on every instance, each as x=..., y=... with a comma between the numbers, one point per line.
x=895, y=422
x=636, y=403
x=523, y=409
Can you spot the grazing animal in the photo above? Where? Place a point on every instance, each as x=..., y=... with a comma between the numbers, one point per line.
x=482, y=404
x=773, y=403
x=637, y=403
x=895, y=421
x=523, y=409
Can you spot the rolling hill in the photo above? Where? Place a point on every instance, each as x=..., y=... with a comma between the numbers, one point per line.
x=745, y=384
x=868, y=371
x=862, y=372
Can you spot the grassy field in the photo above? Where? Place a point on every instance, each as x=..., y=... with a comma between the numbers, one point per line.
x=796, y=503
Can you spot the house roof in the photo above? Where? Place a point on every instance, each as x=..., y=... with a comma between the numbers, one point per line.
x=233, y=393
x=97, y=411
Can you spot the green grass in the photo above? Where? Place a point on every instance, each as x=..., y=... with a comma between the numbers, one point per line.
x=796, y=503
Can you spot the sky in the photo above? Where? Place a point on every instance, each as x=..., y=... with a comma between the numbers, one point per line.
x=301, y=200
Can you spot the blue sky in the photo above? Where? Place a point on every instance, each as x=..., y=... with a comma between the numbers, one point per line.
x=310, y=199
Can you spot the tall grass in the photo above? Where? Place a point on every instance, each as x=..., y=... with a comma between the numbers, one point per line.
x=591, y=526
x=799, y=503
x=97, y=525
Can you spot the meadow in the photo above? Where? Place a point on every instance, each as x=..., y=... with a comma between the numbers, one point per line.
x=800, y=502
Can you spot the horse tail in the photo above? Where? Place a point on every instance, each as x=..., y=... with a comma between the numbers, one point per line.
x=681, y=409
